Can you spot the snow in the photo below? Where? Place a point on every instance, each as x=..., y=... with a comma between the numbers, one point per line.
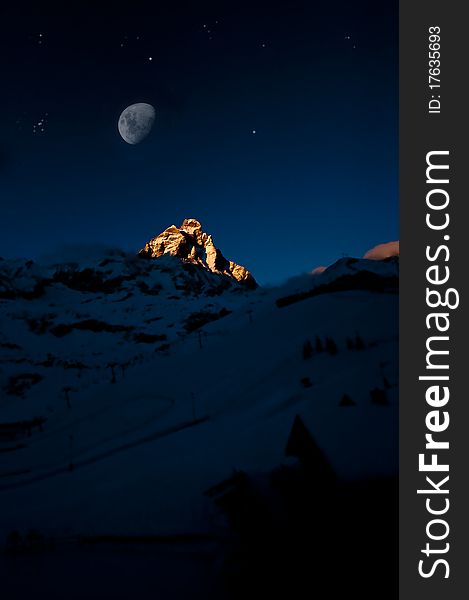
x=179, y=419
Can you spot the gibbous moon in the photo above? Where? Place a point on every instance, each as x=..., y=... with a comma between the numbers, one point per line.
x=136, y=121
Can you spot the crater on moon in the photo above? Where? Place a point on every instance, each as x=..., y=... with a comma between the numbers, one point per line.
x=136, y=122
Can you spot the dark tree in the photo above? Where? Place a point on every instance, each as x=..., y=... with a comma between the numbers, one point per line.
x=319, y=344
x=331, y=346
x=350, y=344
x=359, y=343
x=34, y=539
x=307, y=350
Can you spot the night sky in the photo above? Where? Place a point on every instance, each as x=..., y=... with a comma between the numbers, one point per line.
x=276, y=127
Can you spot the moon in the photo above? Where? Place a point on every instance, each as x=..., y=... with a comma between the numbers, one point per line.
x=136, y=122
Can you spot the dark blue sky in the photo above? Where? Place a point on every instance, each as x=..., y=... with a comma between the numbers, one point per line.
x=317, y=81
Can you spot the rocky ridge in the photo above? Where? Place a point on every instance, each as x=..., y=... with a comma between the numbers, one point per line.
x=191, y=244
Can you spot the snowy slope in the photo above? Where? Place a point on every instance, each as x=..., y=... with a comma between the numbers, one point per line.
x=155, y=379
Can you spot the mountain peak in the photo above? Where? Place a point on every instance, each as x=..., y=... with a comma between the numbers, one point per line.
x=383, y=251
x=191, y=225
x=191, y=244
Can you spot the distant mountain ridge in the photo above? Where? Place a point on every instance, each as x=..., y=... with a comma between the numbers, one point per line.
x=380, y=252
x=383, y=251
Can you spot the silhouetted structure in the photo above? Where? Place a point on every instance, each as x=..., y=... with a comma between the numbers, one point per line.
x=378, y=396
x=346, y=401
x=302, y=446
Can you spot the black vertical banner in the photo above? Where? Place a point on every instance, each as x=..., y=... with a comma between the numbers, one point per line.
x=434, y=354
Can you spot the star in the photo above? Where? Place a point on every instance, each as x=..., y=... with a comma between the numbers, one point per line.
x=253, y=132
x=40, y=124
x=209, y=29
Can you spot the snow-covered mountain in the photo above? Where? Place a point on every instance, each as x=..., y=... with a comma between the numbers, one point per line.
x=134, y=391
x=191, y=244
